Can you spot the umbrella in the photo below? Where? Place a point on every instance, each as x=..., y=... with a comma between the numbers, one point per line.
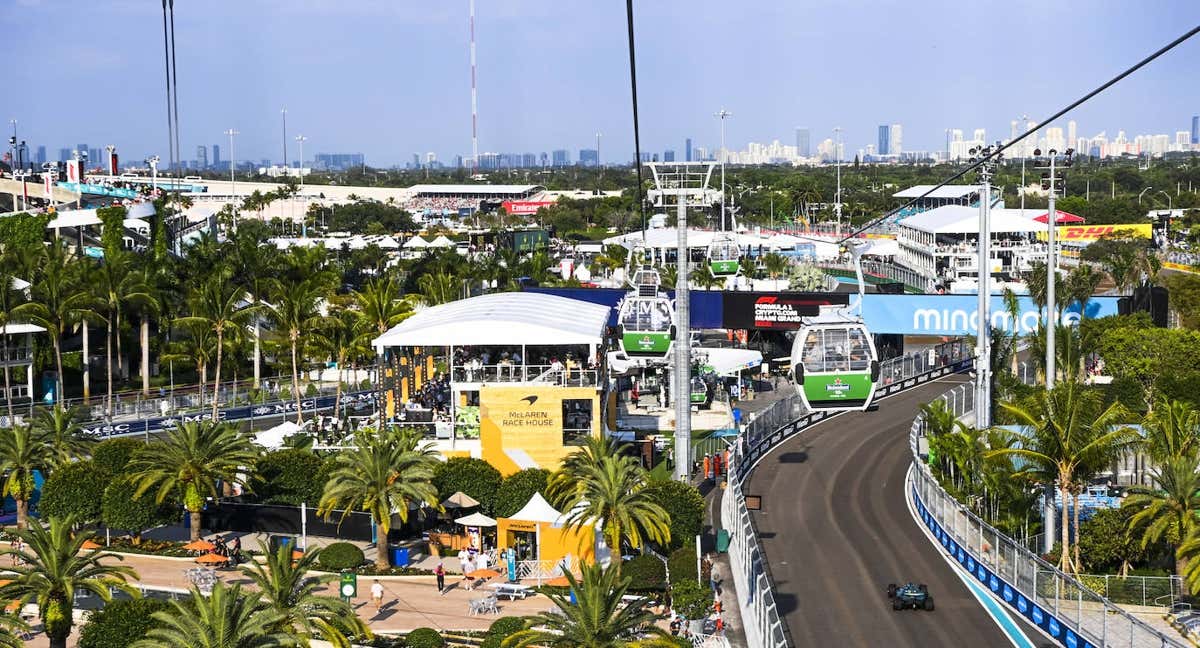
x=459, y=500
x=483, y=573
x=1060, y=217
x=88, y=545
x=560, y=581
x=725, y=433
x=212, y=559
x=199, y=545
x=297, y=555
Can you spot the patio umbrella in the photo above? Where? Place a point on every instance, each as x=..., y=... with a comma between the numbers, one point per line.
x=559, y=581
x=1060, y=217
x=459, y=500
x=88, y=545
x=212, y=559
x=199, y=545
x=483, y=573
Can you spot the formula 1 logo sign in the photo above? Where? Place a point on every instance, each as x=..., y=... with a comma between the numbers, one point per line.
x=774, y=311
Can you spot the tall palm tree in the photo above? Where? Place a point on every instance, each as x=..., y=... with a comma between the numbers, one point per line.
x=23, y=451
x=1081, y=285
x=296, y=314
x=53, y=566
x=1171, y=429
x=383, y=474
x=598, y=618
x=227, y=618
x=198, y=347
x=439, y=288
x=341, y=336
x=381, y=304
x=601, y=484
x=221, y=305
x=703, y=278
x=286, y=587
x=59, y=429
x=1067, y=430
x=255, y=268
x=10, y=298
x=1169, y=512
x=189, y=460
x=776, y=264
x=57, y=300
x=11, y=626
x=117, y=283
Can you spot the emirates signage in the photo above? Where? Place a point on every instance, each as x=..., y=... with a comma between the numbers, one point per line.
x=524, y=207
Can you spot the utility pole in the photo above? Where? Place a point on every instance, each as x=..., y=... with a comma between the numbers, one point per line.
x=232, y=181
x=983, y=349
x=1050, y=182
x=300, y=169
x=722, y=115
x=837, y=200
x=285, y=160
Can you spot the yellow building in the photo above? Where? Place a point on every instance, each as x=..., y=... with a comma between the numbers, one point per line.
x=538, y=532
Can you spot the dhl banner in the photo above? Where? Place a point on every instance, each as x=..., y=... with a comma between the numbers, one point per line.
x=1090, y=233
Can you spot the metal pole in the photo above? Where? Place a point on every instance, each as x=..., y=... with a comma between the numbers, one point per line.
x=285, y=160
x=1051, y=275
x=683, y=345
x=837, y=201
x=724, y=154
x=983, y=363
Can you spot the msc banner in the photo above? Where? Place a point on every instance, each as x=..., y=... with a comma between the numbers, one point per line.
x=959, y=314
x=775, y=311
x=1091, y=233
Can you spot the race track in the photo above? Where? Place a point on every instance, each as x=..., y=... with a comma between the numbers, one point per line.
x=836, y=530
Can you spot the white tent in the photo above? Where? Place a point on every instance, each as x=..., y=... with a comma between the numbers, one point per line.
x=476, y=520
x=416, y=243
x=387, y=243
x=441, y=242
x=201, y=211
x=537, y=509
x=136, y=224
x=74, y=218
x=957, y=219
x=727, y=362
x=272, y=438
x=513, y=318
x=140, y=210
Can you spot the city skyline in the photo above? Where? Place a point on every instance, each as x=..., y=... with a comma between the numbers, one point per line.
x=529, y=102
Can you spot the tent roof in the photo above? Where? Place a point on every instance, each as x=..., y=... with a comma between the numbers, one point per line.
x=272, y=438
x=74, y=218
x=537, y=510
x=15, y=329
x=136, y=223
x=476, y=520
x=387, y=243
x=140, y=210
x=441, y=241
x=947, y=191
x=513, y=318
x=460, y=500
x=416, y=242
x=960, y=219
x=729, y=361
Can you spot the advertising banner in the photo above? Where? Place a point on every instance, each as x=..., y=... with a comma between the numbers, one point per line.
x=959, y=314
x=48, y=185
x=98, y=190
x=1084, y=234
x=112, y=164
x=73, y=171
x=524, y=207
x=526, y=427
x=774, y=311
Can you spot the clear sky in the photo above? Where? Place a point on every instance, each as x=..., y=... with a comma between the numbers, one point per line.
x=391, y=77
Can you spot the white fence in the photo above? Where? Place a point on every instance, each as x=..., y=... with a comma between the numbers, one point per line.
x=760, y=617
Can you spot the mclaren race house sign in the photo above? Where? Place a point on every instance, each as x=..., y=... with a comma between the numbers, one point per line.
x=775, y=310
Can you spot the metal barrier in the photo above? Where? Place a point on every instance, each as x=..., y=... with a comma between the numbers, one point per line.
x=1056, y=602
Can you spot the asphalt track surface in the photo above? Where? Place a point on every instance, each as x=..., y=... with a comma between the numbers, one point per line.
x=836, y=529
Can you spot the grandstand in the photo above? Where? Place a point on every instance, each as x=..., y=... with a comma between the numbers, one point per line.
x=451, y=198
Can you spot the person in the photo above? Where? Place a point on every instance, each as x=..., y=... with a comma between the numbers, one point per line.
x=634, y=393
x=377, y=593
x=481, y=562
x=440, y=572
x=707, y=466
x=467, y=567
x=235, y=551
x=714, y=579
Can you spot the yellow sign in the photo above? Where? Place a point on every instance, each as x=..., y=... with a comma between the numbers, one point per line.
x=1092, y=233
x=522, y=423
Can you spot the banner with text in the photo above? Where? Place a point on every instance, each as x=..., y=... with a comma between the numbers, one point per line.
x=781, y=311
x=1084, y=234
x=959, y=314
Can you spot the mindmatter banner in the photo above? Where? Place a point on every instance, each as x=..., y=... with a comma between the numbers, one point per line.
x=959, y=314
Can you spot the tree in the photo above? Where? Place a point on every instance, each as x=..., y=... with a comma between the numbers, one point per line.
x=598, y=483
x=1146, y=355
x=189, y=460
x=53, y=566
x=684, y=506
x=383, y=474
x=806, y=277
x=112, y=455
x=381, y=304
x=775, y=264
x=287, y=588
x=1066, y=431
x=198, y=347
x=1185, y=298
x=438, y=288
x=120, y=623
x=1105, y=539
x=597, y=619
x=121, y=509
x=227, y=618
x=254, y=268
x=220, y=305
x=60, y=429
x=1169, y=512
x=23, y=451
x=517, y=488
x=10, y=298
x=116, y=284
x=341, y=336
x=295, y=313
x=291, y=476
x=472, y=476
x=74, y=490
x=57, y=300
x=1171, y=430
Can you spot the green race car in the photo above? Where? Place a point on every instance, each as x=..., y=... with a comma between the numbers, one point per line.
x=910, y=595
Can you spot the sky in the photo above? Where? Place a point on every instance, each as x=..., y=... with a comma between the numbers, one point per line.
x=388, y=78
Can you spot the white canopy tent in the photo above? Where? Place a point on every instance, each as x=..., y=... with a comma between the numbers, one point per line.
x=537, y=509
x=957, y=219
x=74, y=218
x=501, y=319
x=476, y=520
x=201, y=211
x=728, y=362
x=415, y=243
x=387, y=243
x=140, y=210
x=272, y=438
x=441, y=242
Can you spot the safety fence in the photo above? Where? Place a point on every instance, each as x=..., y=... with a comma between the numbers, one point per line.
x=1057, y=603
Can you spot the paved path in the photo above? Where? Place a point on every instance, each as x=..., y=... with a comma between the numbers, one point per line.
x=836, y=530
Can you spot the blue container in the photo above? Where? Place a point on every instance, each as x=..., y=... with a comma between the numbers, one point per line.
x=399, y=556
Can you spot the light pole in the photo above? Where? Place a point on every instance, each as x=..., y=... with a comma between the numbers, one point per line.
x=232, y=181
x=153, y=162
x=1168, y=196
x=983, y=351
x=723, y=115
x=1143, y=194
x=12, y=145
x=285, y=160
x=300, y=139
x=837, y=201
x=1051, y=182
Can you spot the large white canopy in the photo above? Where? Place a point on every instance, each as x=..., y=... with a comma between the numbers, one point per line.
x=537, y=509
x=959, y=219
x=726, y=362
x=272, y=438
x=74, y=218
x=140, y=210
x=513, y=318
x=476, y=520
x=416, y=242
x=441, y=241
x=943, y=192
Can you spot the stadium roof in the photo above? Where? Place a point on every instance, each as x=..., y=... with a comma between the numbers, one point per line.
x=512, y=318
x=948, y=191
x=475, y=189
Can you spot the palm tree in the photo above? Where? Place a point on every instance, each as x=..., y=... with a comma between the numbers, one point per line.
x=597, y=619
x=10, y=626
x=381, y=305
x=286, y=587
x=776, y=264
x=295, y=312
x=10, y=298
x=219, y=304
x=57, y=300
x=1169, y=512
x=703, y=278
x=1066, y=432
x=255, y=267
x=59, y=429
x=439, y=288
x=383, y=475
x=116, y=283
x=189, y=460
x=1081, y=284
x=53, y=566
x=23, y=451
x=198, y=347
x=599, y=483
x=1171, y=429
x=342, y=335
x=226, y=618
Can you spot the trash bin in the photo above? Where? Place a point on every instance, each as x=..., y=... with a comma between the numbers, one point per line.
x=399, y=556
x=722, y=541
x=274, y=542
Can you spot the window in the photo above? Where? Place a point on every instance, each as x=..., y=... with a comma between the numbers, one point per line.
x=836, y=346
x=860, y=350
x=577, y=420
x=813, y=353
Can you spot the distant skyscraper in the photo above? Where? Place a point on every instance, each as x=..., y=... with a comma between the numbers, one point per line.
x=687, y=145
x=896, y=142
x=416, y=162
x=649, y=157
x=202, y=157
x=561, y=157
x=1196, y=129
x=96, y=157
x=668, y=155
x=589, y=157
x=1071, y=133
x=803, y=148
x=885, y=138
x=40, y=158
x=216, y=156
x=338, y=161
x=64, y=154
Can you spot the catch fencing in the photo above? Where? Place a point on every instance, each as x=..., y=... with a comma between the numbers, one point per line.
x=1058, y=603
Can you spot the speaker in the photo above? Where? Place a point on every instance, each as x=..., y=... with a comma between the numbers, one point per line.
x=1147, y=299
x=890, y=288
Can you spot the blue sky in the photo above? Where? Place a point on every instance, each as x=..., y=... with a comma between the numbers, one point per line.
x=390, y=77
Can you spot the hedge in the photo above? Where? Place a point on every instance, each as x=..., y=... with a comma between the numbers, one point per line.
x=120, y=623
x=646, y=573
x=292, y=476
x=112, y=455
x=120, y=510
x=475, y=477
x=685, y=506
x=691, y=599
x=516, y=490
x=424, y=638
x=682, y=563
x=505, y=626
x=341, y=555
x=74, y=489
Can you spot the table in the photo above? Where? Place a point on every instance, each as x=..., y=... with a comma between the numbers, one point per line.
x=511, y=590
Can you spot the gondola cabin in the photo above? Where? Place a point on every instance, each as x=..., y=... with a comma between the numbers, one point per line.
x=835, y=363
x=647, y=325
x=724, y=255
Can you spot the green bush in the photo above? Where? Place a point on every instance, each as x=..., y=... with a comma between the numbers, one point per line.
x=120, y=623
x=685, y=506
x=112, y=455
x=682, y=563
x=121, y=510
x=290, y=476
x=492, y=641
x=505, y=626
x=516, y=490
x=646, y=573
x=691, y=599
x=74, y=489
x=424, y=638
x=311, y=391
x=475, y=477
x=341, y=555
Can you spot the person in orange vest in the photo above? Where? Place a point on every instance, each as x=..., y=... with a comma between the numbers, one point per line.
x=707, y=466
x=717, y=465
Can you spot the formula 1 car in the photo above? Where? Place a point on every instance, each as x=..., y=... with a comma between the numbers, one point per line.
x=910, y=595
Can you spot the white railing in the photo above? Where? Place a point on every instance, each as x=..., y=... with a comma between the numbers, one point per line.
x=543, y=570
x=756, y=601
x=1055, y=601
x=709, y=641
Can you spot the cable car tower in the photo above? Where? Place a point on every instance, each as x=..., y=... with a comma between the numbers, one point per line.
x=683, y=184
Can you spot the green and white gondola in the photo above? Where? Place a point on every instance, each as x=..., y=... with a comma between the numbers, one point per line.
x=835, y=363
x=724, y=255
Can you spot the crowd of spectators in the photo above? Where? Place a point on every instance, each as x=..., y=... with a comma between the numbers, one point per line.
x=439, y=204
